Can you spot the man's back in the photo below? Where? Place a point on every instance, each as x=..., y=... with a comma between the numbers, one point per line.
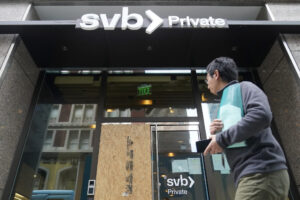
x=263, y=153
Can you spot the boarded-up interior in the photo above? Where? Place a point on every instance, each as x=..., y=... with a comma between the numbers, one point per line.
x=124, y=166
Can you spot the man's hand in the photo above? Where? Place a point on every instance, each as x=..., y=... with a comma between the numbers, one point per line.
x=216, y=126
x=213, y=147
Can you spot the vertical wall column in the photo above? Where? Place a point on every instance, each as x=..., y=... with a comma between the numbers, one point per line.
x=282, y=86
x=18, y=76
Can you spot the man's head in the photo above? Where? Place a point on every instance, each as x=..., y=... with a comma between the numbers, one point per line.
x=220, y=72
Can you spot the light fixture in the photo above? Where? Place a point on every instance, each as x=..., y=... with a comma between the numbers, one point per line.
x=65, y=72
x=146, y=102
x=93, y=126
x=201, y=71
x=20, y=197
x=109, y=110
x=171, y=154
x=180, y=141
x=85, y=71
x=167, y=71
x=171, y=110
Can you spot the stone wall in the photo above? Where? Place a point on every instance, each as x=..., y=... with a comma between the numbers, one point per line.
x=282, y=85
x=283, y=90
x=288, y=12
x=17, y=83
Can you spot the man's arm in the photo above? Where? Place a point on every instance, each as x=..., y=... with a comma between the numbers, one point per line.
x=257, y=117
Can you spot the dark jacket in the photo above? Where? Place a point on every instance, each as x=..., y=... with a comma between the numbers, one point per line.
x=263, y=153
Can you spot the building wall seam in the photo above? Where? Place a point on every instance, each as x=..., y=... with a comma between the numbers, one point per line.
x=290, y=55
x=270, y=12
x=7, y=58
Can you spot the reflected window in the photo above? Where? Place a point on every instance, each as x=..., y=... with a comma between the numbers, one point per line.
x=77, y=113
x=73, y=140
x=60, y=137
x=54, y=114
x=67, y=178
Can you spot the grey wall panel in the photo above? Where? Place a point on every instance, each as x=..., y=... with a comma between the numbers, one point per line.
x=12, y=11
x=288, y=12
x=15, y=97
x=32, y=15
x=283, y=91
x=9, y=12
x=271, y=61
x=285, y=12
x=26, y=62
x=293, y=41
x=5, y=42
x=16, y=89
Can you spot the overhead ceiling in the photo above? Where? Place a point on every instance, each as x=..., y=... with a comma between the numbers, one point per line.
x=67, y=47
x=56, y=12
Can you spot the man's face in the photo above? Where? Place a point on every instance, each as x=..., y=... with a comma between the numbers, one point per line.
x=211, y=83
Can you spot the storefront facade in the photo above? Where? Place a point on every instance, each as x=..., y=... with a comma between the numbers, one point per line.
x=111, y=108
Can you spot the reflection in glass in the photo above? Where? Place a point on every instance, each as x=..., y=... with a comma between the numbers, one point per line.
x=210, y=112
x=57, y=157
x=65, y=156
x=150, y=96
x=179, y=169
x=218, y=168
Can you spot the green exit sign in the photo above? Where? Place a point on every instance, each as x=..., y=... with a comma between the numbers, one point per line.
x=144, y=90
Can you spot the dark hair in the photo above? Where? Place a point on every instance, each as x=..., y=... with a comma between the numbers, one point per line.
x=226, y=67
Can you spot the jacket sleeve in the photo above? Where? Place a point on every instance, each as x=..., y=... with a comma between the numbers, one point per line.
x=258, y=116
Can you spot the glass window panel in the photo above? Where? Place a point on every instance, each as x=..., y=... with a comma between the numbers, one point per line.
x=48, y=139
x=217, y=166
x=54, y=114
x=77, y=113
x=149, y=96
x=179, y=171
x=85, y=140
x=56, y=163
x=65, y=113
x=59, y=140
x=73, y=140
x=89, y=113
x=210, y=112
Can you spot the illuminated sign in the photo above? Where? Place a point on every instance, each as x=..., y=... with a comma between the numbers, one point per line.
x=144, y=90
x=135, y=21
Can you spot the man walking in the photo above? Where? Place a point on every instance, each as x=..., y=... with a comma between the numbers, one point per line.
x=259, y=168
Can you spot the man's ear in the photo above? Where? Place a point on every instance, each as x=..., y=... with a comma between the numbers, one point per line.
x=216, y=74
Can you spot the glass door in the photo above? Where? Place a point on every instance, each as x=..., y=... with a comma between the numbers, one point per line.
x=178, y=170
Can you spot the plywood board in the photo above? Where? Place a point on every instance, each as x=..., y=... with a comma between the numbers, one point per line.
x=124, y=163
